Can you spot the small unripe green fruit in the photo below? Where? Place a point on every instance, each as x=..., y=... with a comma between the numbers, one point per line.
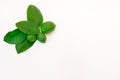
x=41, y=37
x=31, y=38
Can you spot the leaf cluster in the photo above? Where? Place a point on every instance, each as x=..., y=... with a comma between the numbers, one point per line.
x=27, y=32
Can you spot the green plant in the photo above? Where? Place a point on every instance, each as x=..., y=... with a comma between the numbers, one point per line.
x=29, y=31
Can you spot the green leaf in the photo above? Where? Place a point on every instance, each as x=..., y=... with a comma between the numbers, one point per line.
x=14, y=37
x=31, y=38
x=23, y=46
x=41, y=37
x=47, y=27
x=34, y=15
x=28, y=27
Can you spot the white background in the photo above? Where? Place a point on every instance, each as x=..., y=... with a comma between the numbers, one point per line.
x=84, y=46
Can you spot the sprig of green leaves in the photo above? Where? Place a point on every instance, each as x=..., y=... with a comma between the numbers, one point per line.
x=29, y=31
